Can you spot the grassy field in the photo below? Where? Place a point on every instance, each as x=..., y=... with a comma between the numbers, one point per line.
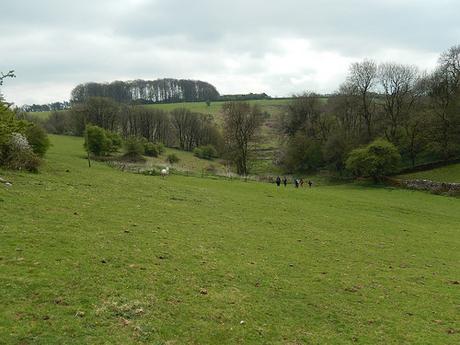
x=98, y=256
x=187, y=162
x=450, y=173
x=269, y=105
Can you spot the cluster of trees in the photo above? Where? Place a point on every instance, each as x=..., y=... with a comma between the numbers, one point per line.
x=55, y=106
x=179, y=128
x=147, y=91
x=244, y=97
x=418, y=113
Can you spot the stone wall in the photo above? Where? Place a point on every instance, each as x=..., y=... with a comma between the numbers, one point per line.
x=431, y=186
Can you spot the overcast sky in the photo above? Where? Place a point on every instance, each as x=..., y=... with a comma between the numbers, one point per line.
x=273, y=46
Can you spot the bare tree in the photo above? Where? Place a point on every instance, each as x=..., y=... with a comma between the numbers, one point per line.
x=241, y=123
x=398, y=83
x=362, y=80
x=10, y=74
x=444, y=89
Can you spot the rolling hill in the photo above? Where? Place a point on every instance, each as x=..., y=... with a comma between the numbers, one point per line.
x=96, y=255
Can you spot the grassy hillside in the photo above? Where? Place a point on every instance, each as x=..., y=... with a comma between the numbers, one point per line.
x=98, y=256
x=450, y=173
x=187, y=162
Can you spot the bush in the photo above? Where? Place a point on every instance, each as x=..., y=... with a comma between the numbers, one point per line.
x=101, y=142
x=205, y=152
x=116, y=141
x=96, y=141
x=15, y=150
x=38, y=140
x=172, y=158
x=150, y=149
x=134, y=146
x=153, y=150
x=161, y=148
x=19, y=154
x=376, y=160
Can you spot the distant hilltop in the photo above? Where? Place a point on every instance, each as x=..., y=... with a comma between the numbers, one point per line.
x=148, y=91
x=166, y=90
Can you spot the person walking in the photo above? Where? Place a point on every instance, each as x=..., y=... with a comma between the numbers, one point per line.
x=285, y=181
x=278, y=181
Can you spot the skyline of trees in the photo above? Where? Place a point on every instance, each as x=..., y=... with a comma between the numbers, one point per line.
x=147, y=91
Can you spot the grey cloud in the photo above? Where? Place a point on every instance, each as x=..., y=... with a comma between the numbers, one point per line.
x=226, y=41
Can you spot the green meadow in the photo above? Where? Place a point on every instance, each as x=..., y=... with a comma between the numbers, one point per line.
x=449, y=173
x=100, y=256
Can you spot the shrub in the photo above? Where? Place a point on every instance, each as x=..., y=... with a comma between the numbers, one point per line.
x=161, y=148
x=134, y=149
x=19, y=154
x=205, y=152
x=96, y=141
x=116, y=141
x=38, y=140
x=134, y=146
x=376, y=160
x=172, y=158
x=153, y=150
x=150, y=149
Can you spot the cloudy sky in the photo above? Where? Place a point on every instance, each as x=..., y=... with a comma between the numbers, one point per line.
x=273, y=46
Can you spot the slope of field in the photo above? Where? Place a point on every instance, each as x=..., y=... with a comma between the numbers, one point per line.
x=98, y=256
x=450, y=174
x=187, y=162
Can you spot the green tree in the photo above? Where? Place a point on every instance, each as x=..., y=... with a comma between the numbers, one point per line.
x=376, y=160
x=96, y=141
x=38, y=140
x=134, y=146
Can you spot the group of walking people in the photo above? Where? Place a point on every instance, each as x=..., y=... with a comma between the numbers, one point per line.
x=297, y=182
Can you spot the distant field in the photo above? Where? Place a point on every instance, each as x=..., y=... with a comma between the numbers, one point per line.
x=271, y=105
x=450, y=173
x=99, y=256
x=43, y=115
x=187, y=162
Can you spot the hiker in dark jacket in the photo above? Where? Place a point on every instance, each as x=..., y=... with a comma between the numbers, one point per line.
x=278, y=181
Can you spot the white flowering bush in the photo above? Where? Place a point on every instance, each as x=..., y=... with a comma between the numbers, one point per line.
x=18, y=142
x=19, y=154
